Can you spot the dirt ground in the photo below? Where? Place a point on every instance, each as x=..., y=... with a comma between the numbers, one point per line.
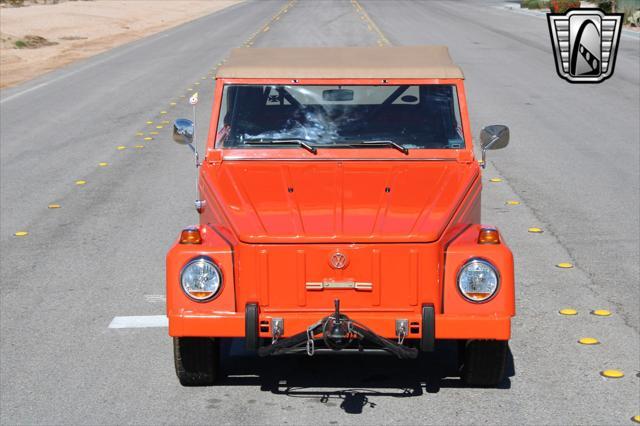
x=39, y=38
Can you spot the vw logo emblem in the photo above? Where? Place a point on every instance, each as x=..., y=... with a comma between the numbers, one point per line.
x=338, y=260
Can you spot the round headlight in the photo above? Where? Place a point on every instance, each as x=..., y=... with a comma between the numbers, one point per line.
x=478, y=280
x=201, y=279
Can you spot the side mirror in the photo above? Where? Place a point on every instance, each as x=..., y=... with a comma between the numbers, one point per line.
x=495, y=136
x=183, y=131
x=184, y=134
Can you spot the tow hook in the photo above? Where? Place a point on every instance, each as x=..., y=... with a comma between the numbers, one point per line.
x=337, y=331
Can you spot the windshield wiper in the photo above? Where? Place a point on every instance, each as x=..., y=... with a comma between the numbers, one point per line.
x=298, y=142
x=388, y=143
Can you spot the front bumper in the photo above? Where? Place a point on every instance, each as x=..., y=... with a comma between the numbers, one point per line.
x=232, y=324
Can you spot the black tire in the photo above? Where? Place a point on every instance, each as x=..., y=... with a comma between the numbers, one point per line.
x=196, y=360
x=484, y=362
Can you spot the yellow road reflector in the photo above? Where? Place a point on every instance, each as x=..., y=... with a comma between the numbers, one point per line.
x=163, y=112
x=190, y=89
x=139, y=146
x=121, y=147
x=173, y=104
x=612, y=374
x=203, y=78
x=636, y=418
x=568, y=311
x=149, y=122
x=21, y=234
x=166, y=122
x=589, y=341
x=495, y=180
x=81, y=182
x=148, y=138
x=140, y=134
x=565, y=265
x=535, y=230
x=154, y=133
x=103, y=164
x=53, y=206
x=265, y=29
x=159, y=126
x=197, y=83
x=512, y=203
x=601, y=313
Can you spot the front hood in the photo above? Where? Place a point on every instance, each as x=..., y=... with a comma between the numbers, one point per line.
x=338, y=201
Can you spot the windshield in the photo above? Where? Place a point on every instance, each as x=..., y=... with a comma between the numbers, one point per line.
x=411, y=117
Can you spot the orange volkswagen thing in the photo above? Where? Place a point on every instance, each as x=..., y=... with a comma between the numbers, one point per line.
x=339, y=201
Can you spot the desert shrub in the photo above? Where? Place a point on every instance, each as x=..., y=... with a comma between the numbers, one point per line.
x=627, y=8
x=32, y=42
x=15, y=3
x=605, y=5
x=561, y=6
x=534, y=4
x=634, y=18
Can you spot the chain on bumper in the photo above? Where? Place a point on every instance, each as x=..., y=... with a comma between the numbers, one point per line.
x=337, y=331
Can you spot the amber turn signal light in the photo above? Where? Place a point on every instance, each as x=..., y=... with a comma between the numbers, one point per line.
x=190, y=236
x=489, y=236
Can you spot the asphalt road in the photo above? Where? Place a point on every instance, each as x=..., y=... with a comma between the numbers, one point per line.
x=573, y=164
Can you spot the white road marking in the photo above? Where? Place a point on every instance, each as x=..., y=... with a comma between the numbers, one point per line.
x=110, y=56
x=155, y=298
x=144, y=321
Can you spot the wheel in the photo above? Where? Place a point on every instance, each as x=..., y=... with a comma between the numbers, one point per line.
x=196, y=360
x=483, y=362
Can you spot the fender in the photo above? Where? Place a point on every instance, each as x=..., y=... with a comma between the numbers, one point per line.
x=464, y=248
x=178, y=304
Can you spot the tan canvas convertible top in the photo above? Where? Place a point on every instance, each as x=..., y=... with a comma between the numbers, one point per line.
x=341, y=62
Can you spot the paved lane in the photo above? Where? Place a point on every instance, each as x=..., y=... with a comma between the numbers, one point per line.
x=102, y=254
x=78, y=115
x=320, y=23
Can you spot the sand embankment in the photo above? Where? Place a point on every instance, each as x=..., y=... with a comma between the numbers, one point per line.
x=73, y=30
